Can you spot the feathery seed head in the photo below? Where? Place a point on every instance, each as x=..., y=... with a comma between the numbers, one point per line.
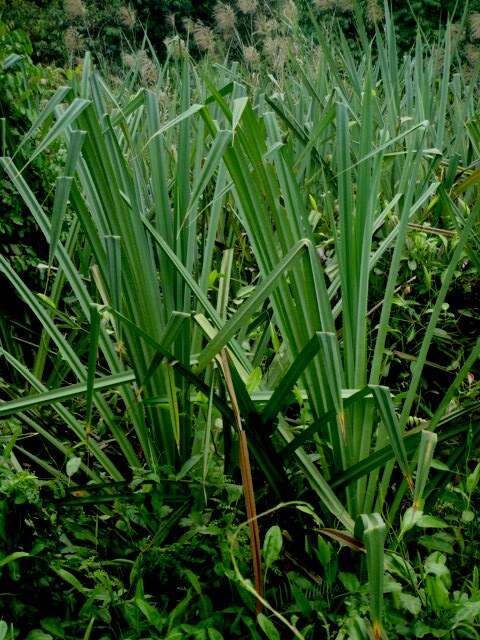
x=203, y=37
x=269, y=47
x=116, y=82
x=188, y=25
x=251, y=55
x=176, y=47
x=224, y=17
x=345, y=5
x=458, y=33
x=290, y=11
x=247, y=6
x=475, y=25
x=74, y=9
x=265, y=26
x=127, y=17
x=135, y=59
x=278, y=50
x=473, y=54
x=148, y=70
x=128, y=60
x=163, y=98
x=438, y=57
x=73, y=40
x=325, y=5
x=374, y=12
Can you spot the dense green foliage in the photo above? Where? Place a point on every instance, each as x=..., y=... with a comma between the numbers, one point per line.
x=258, y=290
x=64, y=29
x=23, y=89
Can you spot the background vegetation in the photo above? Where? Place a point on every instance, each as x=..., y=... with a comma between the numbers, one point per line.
x=239, y=335
x=60, y=28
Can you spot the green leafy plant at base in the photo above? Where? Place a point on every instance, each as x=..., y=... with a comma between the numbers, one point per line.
x=135, y=568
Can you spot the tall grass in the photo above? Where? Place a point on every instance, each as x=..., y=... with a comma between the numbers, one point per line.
x=155, y=210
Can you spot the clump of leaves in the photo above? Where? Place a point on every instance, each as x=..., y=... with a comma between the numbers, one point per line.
x=146, y=562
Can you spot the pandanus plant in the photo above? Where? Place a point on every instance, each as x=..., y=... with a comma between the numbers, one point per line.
x=144, y=200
